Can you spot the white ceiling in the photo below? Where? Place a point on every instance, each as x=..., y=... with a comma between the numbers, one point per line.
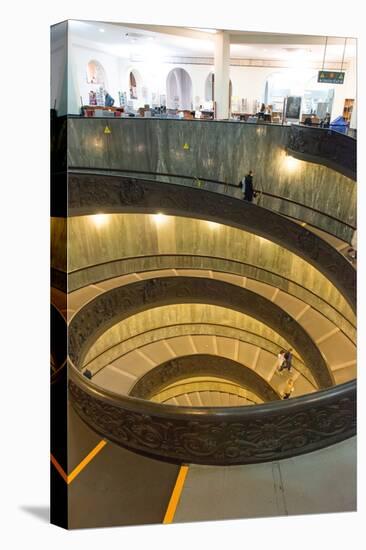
x=134, y=40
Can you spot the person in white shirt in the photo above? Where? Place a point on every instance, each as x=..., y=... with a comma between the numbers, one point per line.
x=280, y=360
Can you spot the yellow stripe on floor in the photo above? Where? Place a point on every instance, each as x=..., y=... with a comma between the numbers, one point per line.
x=86, y=461
x=177, y=491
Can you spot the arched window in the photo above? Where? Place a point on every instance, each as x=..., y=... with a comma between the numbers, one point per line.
x=277, y=87
x=96, y=73
x=134, y=85
x=179, y=89
x=210, y=88
x=318, y=98
x=286, y=83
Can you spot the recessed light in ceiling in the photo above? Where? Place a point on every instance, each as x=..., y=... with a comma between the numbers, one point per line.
x=211, y=31
x=297, y=50
x=101, y=30
x=133, y=36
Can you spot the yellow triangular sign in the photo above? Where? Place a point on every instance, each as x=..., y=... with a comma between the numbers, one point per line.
x=186, y=146
x=107, y=130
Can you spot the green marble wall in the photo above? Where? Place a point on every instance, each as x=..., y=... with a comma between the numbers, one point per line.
x=222, y=151
x=185, y=319
x=171, y=316
x=59, y=243
x=115, y=269
x=131, y=235
x=197, y=385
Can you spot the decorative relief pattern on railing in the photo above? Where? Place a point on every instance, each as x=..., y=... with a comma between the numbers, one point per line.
x=224, y=436
x=181, y=368
x=327, y=147
x=122, y=302
x=89, y=194
x=58, y=343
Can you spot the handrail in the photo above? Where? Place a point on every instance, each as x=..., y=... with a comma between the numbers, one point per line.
x=121, y=302
x=226, y=120
x=203, y=364
x=201, y=256
x=226, y=392
x=297, y=365
x=333, y=149
x=217, y=436
x=226, y=185
x=119, y=194
x=221, y=435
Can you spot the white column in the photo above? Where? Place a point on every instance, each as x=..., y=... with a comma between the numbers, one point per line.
x=222, y=67
x=353, y=123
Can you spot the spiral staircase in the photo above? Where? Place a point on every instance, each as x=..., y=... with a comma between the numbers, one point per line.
x=178, y=296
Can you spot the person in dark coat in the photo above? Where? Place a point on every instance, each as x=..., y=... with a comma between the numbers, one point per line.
x=287, y=361
x=248, y=187
x=109, y=101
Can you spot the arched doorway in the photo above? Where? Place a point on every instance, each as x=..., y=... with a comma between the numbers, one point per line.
x=210, y=88
x=179, y=89
x=318, y=98
x=134, y=84
x=96, y=73
x=282, y=84
x=277, y=87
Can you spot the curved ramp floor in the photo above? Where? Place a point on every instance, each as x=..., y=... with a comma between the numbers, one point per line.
x=338, y=350
x=119, y=487
x=307, y=484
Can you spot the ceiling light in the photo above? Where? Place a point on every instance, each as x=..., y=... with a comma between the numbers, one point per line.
x=211, y=31
x=101, y=30
x=133, y=36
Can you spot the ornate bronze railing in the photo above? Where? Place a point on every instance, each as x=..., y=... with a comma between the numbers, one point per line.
x=217, y=186
x=58, y=343
x=90, y=193
x=333, y=149
x=217, y=436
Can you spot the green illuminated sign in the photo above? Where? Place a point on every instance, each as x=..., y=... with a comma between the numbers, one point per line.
x=332, y=77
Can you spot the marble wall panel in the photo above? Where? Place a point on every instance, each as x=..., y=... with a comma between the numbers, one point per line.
x=59, y=243
x=101, y=275
x=177, y=315
x=126, y=235
x=222, y=151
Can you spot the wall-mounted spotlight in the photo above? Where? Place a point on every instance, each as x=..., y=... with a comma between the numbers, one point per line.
x=99, y=219
x=291, y=163
x=213, y=225
x=159, y=218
